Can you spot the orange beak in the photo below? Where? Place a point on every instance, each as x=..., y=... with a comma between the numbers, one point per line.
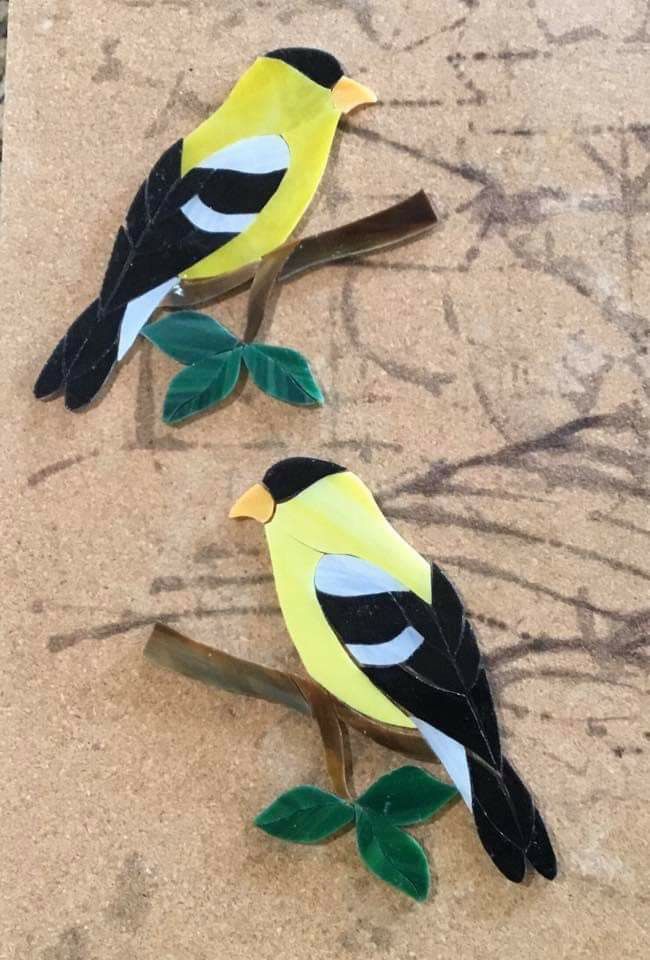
x=257, y=503
x=348, y=94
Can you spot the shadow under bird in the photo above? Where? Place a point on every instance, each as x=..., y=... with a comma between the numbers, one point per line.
x=385, y=632
x=219, y=199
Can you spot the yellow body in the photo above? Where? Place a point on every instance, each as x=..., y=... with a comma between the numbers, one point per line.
x=270, y=98
x=338, y=514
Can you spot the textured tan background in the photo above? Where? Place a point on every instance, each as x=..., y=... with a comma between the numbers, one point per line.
x=488, y=382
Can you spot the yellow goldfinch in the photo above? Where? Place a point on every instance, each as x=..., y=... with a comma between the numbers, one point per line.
x=385, y=632
x=223, y=197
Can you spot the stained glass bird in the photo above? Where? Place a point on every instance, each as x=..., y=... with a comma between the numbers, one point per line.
x=217, y=200
x=385, y=632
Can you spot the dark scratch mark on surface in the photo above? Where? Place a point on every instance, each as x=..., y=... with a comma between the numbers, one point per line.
x=270, y=443
x=210, y=552
x=578, y=602
x=455, y=25
x=492, y=493
x=205, y=581
x=539, y=674
x=425, y=514
x=414, y=102
x=400, y=371
x=494, y=208
x=420, y=42
x=62, y=641
x=167, y=585
x=542, y=644
x=144, y=411
x=626, y=525
x=516, y=132
x=486, y=406
x=391, y=266
x=466, y=171
x=476, y=96
x=149, y=4
x=575, y=274
x=449, y=313
x=507, y=55
x=621, y=642
x=432, y=382
x=53, y=468
x=567, y=37
x=558, y=438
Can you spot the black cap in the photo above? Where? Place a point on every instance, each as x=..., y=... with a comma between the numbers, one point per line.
x=287, y=478
x=319, y=66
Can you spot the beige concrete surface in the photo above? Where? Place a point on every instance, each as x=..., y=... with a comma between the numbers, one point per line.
x=489, y=382
x=4, y=10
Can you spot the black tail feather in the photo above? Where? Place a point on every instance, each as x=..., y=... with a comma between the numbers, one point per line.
x=540, y=850
x=507, y=856
x=55, y=373
x=509, y=825
x=51, y=378
x=82, y=388
x=83, y=358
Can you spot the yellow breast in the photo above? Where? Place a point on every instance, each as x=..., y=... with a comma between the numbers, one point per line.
x=323, y=656
x=298, y=536
x=270, y=98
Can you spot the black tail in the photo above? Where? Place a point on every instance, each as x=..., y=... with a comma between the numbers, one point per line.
x=508, y=822
x=83, y=359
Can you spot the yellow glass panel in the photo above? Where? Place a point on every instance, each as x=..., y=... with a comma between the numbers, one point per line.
x=337, y=515
x=270, y=98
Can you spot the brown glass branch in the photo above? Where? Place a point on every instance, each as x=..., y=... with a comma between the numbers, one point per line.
x=403, y=221
x=171, y=649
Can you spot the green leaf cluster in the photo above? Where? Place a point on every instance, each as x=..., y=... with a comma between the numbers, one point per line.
x=213, y=358
x=407, y=796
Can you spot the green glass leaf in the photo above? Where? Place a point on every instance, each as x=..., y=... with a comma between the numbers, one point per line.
x=189, y=337
x=202, y=385
x=392, y=855
x=407, y=795
x=305, y=815
x=282, y=373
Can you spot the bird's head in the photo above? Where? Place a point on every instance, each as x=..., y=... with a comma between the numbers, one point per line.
x=324, y=70
x=319, y=504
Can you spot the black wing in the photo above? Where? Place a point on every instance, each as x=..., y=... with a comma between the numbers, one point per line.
x=443, y=681
x=426, y=659
x=159, y=240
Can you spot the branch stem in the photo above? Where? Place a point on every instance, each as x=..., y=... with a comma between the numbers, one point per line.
x=173, y=650
x=403, y=221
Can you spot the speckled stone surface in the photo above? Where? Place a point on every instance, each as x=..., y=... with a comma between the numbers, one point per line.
x=4, y=10
x=489, y=382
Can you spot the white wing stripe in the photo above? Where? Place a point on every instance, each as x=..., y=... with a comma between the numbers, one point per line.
x=387, y=654
x=205, y=218
x=344, y=576
x=138, y=312
x=253, y=155
x=452, y=756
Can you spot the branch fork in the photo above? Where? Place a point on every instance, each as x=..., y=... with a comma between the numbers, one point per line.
x=173, y=650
